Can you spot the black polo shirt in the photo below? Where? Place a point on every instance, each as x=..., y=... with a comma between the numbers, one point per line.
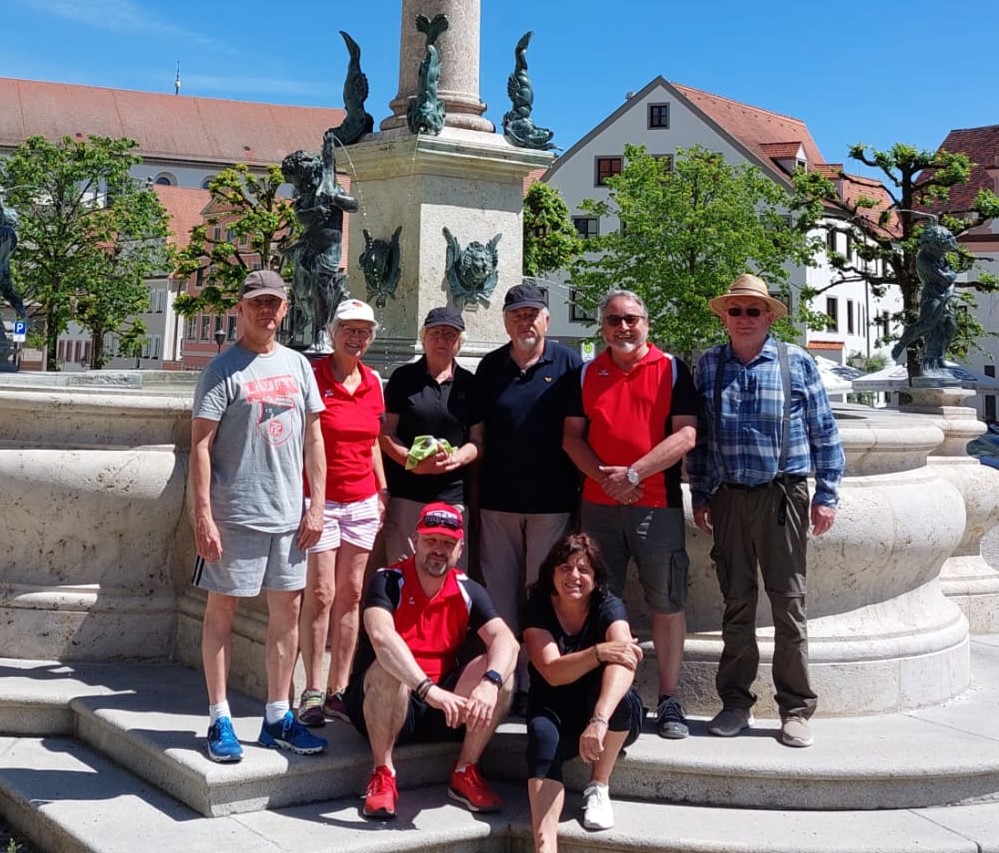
x=425, y=407
x=524, y=468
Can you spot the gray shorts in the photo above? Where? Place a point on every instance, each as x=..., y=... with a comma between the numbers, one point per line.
x=654, y=538
x=253, y=560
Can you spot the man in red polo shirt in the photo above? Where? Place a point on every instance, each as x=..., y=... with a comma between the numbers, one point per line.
x=409, y=683
x=632, y=419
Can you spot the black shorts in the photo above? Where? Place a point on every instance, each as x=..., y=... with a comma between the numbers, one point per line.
x=423, y=724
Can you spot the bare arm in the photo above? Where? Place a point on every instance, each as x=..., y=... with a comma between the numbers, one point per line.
x=614, y=684
x=558, y=669
x=206, y=533
x=665, y=454
x=393, y=654
x=501, y=655
x=574, y=443
x=311, y=526
x=391, y=446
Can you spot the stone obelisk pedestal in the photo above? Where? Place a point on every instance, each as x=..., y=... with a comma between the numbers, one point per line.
x=468, y=179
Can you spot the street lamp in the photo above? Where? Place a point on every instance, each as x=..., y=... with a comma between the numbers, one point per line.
x=219, y=338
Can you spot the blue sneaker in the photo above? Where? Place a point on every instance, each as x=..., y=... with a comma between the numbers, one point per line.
x=223, y=745
x=288, y=733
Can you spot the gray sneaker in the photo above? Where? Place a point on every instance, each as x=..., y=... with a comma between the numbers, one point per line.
x=728, y=722
x=670, y=722
x=795, y=731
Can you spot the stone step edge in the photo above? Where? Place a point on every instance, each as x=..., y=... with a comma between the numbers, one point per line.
x=101, y=823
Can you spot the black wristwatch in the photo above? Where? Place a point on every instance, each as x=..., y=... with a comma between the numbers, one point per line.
x=493, y=677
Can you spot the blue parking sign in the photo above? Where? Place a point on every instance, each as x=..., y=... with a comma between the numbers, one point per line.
x=20, y=332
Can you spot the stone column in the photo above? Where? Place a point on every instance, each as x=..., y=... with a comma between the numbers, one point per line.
x=459, y=53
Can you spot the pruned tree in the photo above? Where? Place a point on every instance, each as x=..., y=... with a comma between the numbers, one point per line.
x=550, y=239
x=249, y=224
x=90, y=235
x=884, y=220
x=687, y=228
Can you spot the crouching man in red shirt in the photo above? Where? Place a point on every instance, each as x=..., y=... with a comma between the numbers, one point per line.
x=409, y=683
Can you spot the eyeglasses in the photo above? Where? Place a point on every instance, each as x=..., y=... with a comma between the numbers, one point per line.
x=616, y=320
x=440, y=519
x=443, y=333
x=356, y=332
x=750, y=312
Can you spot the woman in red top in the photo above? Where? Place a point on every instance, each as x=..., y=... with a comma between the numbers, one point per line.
x=355, y=506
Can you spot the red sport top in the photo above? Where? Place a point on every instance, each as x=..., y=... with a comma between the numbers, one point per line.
x=435, y=628
x=350, y=424
x=629, y=414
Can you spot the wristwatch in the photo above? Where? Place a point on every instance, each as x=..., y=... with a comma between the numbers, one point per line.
x=493, y=677
x=633, y=477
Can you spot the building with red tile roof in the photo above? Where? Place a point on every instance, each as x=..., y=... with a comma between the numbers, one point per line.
x=664, y=117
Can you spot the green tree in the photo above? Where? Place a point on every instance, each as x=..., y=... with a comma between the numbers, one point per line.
x=132, y=340
x=550, y=239
x=89, y=234
x=249, y=223
x=685, y=233
x=885, y=229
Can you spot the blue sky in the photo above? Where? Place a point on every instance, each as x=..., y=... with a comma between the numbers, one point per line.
x=909, y=71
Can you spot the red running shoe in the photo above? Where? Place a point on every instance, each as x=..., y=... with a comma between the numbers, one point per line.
x=381, y=796
x=468, y=787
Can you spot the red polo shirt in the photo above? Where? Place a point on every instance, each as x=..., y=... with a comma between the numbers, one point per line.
x=629, y=414
x=435, y=628
x=350, y=424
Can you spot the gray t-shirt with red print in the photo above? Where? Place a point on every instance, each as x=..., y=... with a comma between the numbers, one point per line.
x=260, y=403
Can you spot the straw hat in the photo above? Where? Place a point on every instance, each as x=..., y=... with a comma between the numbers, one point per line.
x=754, y=288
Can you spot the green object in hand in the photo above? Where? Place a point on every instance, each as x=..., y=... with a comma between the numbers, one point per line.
x=425, y=446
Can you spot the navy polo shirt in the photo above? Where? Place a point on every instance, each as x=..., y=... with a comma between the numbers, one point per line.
x=425, y=407
x=524, y=468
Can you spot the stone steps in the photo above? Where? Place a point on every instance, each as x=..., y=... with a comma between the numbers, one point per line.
x=100, y=757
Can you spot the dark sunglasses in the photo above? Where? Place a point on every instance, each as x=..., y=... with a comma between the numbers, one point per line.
x=750, y=312
x=440, y=519
x=616, y=320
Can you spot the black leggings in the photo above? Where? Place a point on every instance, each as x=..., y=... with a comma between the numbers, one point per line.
x=553, y=733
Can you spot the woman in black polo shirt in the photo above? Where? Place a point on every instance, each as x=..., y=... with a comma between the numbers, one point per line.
x=431, y=397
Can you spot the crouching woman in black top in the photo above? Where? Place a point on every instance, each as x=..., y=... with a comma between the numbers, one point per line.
x=581, y=700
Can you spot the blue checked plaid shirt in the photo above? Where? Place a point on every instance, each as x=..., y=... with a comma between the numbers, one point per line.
x=752, y=403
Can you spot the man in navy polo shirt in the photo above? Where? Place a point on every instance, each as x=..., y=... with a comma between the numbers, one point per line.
x=529, y=487
x=409, y=683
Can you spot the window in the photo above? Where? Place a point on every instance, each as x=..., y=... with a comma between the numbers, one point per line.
x=849, y=246
x=154, y=342
x=192, y=328
x=577, y=313
x=199, y=277
x=230, y=334
x=206, y=327
x=165, y=179
x=832, y=309
x=230, y=235
x=607, y=167
x=586, y=226
x=206, y=182
x=849, y=316
x=659, y=116
x=217, y=234
x=831, y=240
x=666, y=160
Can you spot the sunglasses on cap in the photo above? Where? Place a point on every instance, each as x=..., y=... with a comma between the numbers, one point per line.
x=738, y=312
x=616, y=320
x=440, y=519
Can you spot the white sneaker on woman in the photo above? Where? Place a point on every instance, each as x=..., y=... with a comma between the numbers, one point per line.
x=597, y=810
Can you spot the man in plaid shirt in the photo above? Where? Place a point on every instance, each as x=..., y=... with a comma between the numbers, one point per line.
x=748, y=482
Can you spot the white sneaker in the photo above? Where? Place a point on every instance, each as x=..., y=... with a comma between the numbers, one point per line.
x=597, y=810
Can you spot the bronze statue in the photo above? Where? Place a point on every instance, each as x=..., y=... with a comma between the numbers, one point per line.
x=318, y=285
x=936, y=324
x=381, y=263
x=357, y=120
x=472, y=272
x=518, y=126
x=425, y=113
x=8, y=242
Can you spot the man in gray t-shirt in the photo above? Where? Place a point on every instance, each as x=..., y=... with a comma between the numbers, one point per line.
x=255, y=424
